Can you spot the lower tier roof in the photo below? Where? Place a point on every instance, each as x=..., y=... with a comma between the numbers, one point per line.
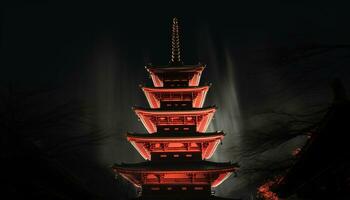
x=177, y=166
x=178, y=135
x=181, y=173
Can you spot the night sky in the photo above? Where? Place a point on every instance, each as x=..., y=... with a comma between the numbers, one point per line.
x=260, y=57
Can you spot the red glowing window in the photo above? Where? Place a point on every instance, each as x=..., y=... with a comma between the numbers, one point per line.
x=176, y=155
x=186, y=129
x=175, y=118
x=193, y=144
x=163, y=156
x=175, y=144
x=188, y=155
x=175, y=176
x=151, y=176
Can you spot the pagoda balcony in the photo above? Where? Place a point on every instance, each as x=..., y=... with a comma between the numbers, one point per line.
x=176, y=120
x=176, y=173
x=176, y=76
x=176, y=97
x=181, y=146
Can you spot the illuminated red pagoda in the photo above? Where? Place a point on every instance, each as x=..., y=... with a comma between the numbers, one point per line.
x=177, y=146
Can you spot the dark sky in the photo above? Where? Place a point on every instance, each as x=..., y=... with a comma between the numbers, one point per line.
x=53, y=39
x=257, y=56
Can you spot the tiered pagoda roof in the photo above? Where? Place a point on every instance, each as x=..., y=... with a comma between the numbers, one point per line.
x=176, y=146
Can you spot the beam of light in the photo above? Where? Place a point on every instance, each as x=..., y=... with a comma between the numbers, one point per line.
x=223, y=93
x=111, y=91
x=228, y=118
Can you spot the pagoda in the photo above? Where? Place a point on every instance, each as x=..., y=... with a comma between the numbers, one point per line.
x=177, y=146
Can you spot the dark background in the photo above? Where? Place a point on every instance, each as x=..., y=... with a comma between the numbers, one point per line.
x=85, y=61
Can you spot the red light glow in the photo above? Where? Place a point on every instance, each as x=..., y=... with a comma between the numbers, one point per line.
x=296, y=151
x=206, y=144
x=153, y=118
x=211, y=177
x=194, y=73
x=156, y=95
x=264, y=191
x=177, y=146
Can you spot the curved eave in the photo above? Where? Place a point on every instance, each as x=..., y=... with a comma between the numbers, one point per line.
x=146, y=114
x=132, y=172
x=175, y=136
x=171, y=68
x=213, y=140
x=195, y=111
x=200, y=166
x=156, y=71
x=121, y=169
x=154, y=102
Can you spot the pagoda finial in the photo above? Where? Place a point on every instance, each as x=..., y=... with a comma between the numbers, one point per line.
x=175, y=43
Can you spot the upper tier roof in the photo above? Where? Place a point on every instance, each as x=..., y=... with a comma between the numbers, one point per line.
x=193, y=72
x=197, y=95
x=174, y=68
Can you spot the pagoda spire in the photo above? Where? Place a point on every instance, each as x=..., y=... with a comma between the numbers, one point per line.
x=175, y=43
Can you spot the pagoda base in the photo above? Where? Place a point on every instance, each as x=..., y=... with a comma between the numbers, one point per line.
x=182, y=190
x=210, y=197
